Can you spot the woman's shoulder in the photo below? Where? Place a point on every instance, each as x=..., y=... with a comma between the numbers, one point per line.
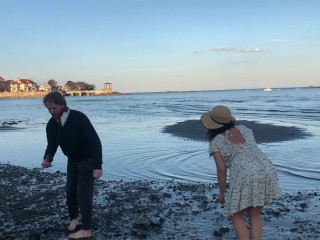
x=216, y=143
x=217, y=139
x=242, y=127
x=245, y=132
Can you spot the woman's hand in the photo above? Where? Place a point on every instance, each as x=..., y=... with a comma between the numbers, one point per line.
x=221, y=198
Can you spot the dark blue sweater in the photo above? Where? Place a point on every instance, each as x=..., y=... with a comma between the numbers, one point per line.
x=77, y=139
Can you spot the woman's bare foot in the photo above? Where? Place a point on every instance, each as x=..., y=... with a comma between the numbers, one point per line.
x=73, y=224
x=81, y=234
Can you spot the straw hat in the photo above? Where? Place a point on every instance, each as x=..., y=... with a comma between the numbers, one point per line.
x=217, y=117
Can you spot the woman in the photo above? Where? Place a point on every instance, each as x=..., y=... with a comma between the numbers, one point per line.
x=253, y=180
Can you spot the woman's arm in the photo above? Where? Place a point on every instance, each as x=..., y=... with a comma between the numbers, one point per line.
x=221, y=174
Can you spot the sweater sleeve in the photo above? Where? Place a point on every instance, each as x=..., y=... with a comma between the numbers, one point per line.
x=52, y=144
x=94, y=142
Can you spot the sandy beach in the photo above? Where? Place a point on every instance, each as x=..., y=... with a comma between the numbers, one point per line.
x=32, y=203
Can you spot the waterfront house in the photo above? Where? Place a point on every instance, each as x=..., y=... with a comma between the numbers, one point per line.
x=23, y=85
x=44, y=88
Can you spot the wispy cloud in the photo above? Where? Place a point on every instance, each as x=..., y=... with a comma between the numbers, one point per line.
x=223, y=49
x=281, y=40
x=230, y=49
x=251, y=50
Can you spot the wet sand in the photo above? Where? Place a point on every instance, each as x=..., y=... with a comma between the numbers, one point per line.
x=263, y=133
x=33, y=205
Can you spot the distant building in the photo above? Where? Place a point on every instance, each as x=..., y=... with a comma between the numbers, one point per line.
x=44, y=88
x=107, y=87
x=23, y=85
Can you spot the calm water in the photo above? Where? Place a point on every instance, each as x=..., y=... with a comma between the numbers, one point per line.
x=134, y=147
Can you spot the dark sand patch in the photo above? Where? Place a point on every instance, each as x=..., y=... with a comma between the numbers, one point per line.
x=32, y=206
x=264, y=133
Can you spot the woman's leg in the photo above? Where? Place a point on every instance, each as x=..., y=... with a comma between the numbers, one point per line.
x=255, y=222
x=240, y=225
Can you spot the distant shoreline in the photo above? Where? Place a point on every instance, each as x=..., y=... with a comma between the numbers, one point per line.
x=22, y=94
x=41, y=94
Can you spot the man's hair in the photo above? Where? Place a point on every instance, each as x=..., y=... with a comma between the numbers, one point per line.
x=56, y=98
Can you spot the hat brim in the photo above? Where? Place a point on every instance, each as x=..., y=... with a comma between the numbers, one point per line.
x=208, y=123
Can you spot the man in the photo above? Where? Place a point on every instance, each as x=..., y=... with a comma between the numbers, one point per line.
x=78, y=140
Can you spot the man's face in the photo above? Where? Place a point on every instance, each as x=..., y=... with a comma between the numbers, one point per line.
x=54, y=109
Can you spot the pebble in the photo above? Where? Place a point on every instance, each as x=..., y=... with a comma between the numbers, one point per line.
x=32, y=206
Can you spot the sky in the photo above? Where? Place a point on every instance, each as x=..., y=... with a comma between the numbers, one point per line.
x=162, y=45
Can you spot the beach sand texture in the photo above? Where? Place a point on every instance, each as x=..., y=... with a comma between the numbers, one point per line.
x=32, y=204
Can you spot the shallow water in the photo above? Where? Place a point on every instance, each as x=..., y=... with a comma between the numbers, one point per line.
x=134, y=147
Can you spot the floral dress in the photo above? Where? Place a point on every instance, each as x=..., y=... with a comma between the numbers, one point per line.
x=253, y=178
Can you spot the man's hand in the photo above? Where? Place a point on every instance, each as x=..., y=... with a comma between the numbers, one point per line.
x=46, y=164
x=97, y=173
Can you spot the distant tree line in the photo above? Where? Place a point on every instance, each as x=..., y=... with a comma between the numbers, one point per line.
x=2, y=84
x=72, y=86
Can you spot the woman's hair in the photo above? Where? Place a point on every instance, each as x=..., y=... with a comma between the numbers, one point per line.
x=212, y=133
x=56, y=98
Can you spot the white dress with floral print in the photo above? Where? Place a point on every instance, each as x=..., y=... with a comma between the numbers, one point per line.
x=253, y=179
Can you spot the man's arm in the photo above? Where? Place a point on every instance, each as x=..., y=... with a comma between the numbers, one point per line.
x=94, y=142
x=52, y=146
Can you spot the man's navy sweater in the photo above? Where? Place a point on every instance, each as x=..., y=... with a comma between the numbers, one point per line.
x=77, y=139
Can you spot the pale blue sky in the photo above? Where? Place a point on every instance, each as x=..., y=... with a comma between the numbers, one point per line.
x=162, y=45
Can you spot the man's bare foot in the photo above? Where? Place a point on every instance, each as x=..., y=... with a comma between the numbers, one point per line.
x=81, y=234
x=73, y=224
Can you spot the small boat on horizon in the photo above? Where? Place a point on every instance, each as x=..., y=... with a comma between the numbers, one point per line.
x=267, y=89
